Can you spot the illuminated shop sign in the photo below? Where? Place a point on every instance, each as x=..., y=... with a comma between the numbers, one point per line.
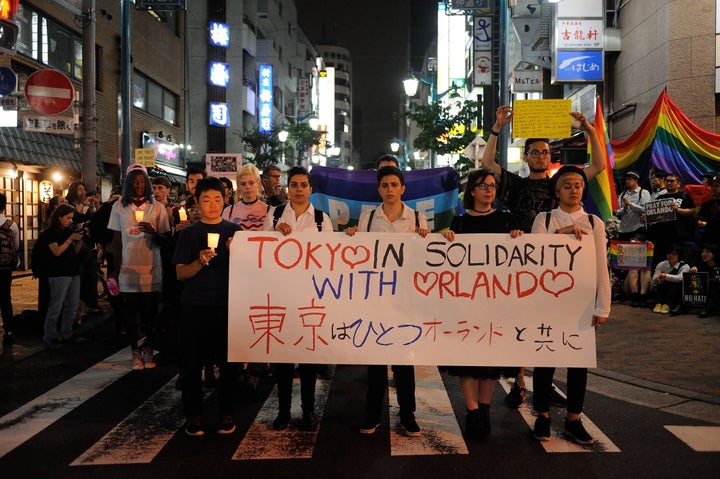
x=266, y=98
x=219, y=114
x=219, y=34
x=219, y=74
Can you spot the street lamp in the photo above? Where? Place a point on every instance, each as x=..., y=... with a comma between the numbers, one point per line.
x=283, y=136
x=395, y=145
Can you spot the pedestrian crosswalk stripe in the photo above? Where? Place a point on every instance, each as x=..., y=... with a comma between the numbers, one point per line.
x=152, y=424
x=558, y=441
x=441, y=433
x=33, y=417
x=699, y=438
x=262, y=442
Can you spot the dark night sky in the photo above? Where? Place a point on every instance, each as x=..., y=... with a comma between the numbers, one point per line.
x=381, y=37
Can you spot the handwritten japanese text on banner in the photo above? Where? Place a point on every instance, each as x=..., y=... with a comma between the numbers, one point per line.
x=391, y=298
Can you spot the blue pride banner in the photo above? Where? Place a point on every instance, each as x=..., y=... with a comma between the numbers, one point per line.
x=343, y=194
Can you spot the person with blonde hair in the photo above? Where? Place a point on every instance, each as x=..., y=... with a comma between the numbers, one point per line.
x=248, y=211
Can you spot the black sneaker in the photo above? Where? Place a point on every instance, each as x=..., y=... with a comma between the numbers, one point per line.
x=226, y=426
x=557, y=399
x=409, y=427
x=193, y=427
x=282, y=421
x=308, y=421
x=576, y=431
x=516, y=397
x=369, y=426
x=541, y=431
x=8, y=339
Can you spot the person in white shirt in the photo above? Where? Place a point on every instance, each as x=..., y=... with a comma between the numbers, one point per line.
x=569, y=185
x=392, y=216
x=667, y=281
x=298, y=214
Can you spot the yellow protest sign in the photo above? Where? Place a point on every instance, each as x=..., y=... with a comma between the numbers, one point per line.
x=145, y=156
x=541, y=118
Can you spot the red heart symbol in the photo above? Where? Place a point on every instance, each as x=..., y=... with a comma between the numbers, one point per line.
x=426, y=278
x=556, y=278
x=350, y=253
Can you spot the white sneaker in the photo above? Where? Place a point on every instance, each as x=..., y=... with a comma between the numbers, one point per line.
x=137, y=363
x=148, y=358
x=657, y=308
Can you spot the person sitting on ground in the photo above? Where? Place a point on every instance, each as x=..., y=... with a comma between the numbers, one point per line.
x=667, y=281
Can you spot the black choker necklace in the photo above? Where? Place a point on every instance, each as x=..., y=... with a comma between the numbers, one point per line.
x=482, y=212
x=250, y=203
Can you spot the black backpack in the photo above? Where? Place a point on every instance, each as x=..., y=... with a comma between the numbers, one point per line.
x=8, y=254
x=40, y=256
x=279, y=211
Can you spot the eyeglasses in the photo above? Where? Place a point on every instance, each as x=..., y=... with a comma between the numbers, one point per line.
x=537, y=153
x=486, y=186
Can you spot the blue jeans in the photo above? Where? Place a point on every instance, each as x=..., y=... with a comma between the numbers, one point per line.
x=64, y=298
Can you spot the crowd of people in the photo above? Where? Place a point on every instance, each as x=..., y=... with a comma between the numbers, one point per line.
x=168, y=269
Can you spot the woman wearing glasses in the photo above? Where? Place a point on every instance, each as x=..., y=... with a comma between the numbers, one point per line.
x=478, y=382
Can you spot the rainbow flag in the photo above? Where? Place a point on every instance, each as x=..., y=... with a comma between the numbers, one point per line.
x=603, y=197
x=668, y=140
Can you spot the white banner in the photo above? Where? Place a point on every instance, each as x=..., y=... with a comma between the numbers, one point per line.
x=392, y=298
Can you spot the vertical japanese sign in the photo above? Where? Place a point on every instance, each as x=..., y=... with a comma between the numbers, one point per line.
x=265, y=74
x=482, y=50
x=303, y=96
x=578, y=41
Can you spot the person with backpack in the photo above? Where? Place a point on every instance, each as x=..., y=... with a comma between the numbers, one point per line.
x=392, y=216
x=9, y=245
x=298, y=214
x=569, y=185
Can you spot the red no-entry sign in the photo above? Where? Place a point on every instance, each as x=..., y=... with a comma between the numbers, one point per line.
x=49, y=92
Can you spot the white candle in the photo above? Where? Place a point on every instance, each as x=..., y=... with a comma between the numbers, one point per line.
x=183, y=214
x=213, y=239
x=139, y=215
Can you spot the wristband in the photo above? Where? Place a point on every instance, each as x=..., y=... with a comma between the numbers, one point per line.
x=494, y=133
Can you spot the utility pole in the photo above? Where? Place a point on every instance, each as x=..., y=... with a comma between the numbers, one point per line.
x=89, y=145
x=124, y=86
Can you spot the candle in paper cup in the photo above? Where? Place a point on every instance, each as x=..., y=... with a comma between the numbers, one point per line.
x=183, y=214
x=139, y=215
x=213, y=239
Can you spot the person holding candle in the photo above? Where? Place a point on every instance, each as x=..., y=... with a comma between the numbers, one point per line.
x=202, y=263
x=298, y=214
x=136, y=248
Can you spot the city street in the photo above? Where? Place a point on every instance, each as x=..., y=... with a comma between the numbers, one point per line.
x=79, y=411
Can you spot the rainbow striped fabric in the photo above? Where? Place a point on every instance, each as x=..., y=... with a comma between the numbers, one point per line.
x=668, y=140
x=602, y=199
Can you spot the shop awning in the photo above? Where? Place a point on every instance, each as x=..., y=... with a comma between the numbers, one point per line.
x=42, y=149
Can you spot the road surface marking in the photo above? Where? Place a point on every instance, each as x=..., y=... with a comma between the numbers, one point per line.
x=699, y=438
x=440, y=430
x=262, y=442
x=141, y=435
x=558, y=442
x=33, y=417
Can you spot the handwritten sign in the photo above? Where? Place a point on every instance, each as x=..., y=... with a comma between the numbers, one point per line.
x=396, y=298
x=631, y=255
x=145, y=156
x=659, y=211
x=541, y=118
